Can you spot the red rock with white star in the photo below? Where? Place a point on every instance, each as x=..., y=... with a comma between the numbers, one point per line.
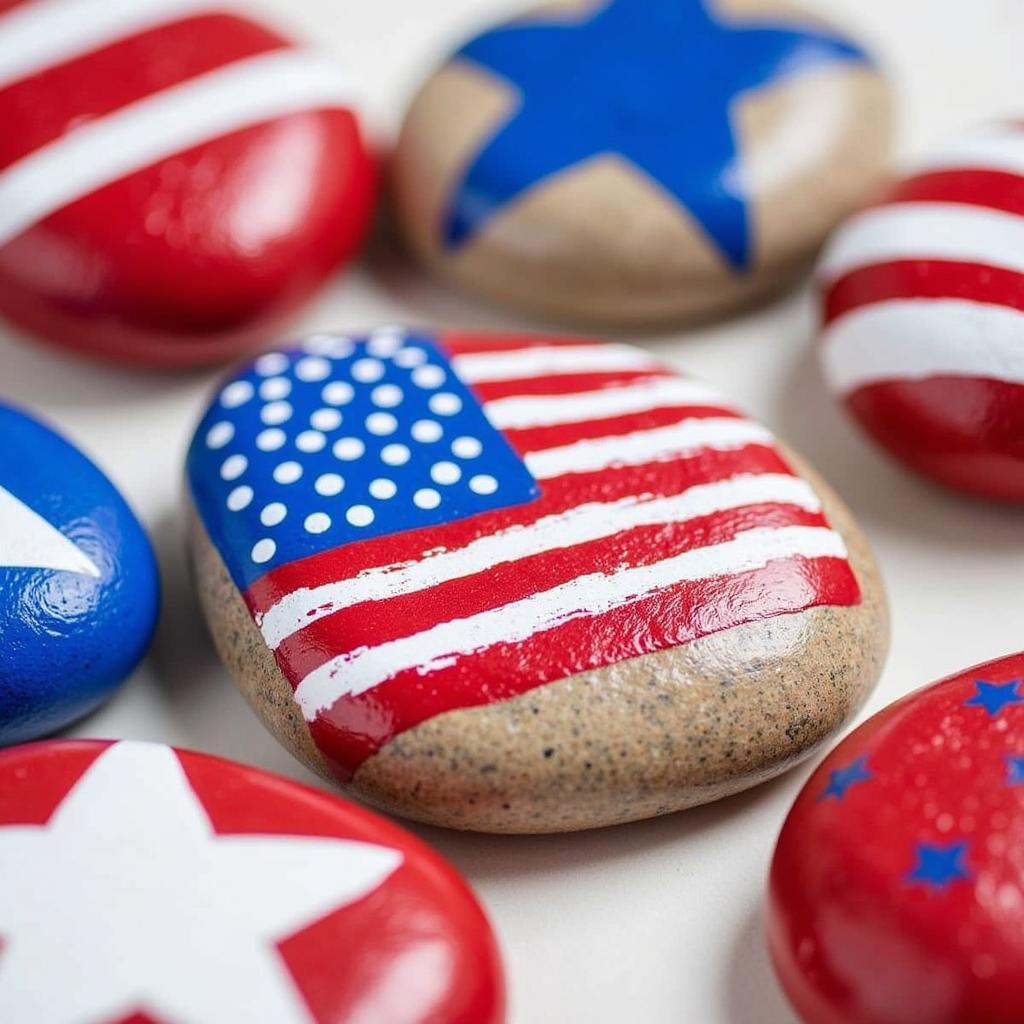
x=896, y=893
x=147, y=883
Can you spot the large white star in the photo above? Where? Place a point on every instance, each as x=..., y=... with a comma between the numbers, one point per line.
x=27, y=540
x=128, y=900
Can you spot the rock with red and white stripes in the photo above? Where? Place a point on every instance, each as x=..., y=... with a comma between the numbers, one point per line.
x=924, y=316
x=523, y=584
x=175, y=180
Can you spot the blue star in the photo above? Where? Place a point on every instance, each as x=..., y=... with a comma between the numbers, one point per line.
x=655, y=81
x=938, y=864
x=993, y=697
x=840, y=780
x=1014, y=770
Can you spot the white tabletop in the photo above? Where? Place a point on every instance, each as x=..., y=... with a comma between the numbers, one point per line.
x=657, y=922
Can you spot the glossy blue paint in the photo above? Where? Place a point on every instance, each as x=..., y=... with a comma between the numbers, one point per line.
x=79, y=588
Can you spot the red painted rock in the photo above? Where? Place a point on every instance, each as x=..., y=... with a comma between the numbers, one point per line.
x=143, y=883
x=924, y=316
x=174, y=180
x=897, y=888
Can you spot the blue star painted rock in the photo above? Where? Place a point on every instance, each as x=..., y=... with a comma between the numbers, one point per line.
x=640, y=159
x=79, y=590
x=897, y=887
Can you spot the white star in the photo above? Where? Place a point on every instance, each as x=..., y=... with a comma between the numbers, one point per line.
x=28, y=541
x=127, y=900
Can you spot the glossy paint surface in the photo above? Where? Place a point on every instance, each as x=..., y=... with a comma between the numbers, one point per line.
x=250, y=897
x=79, y=590
x=897, y=887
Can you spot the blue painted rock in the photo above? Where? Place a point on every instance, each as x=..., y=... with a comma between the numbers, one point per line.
x=523, y=584
x=79, y=590
x=640, y=160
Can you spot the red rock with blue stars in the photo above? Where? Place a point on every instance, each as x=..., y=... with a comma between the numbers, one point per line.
x=896, y=893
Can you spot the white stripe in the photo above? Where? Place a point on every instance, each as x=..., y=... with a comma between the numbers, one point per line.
x=442, y=645
x=674, y=441
x=949, y=231
x=519, y=412
x=48, y=32
x=912, y=339
x=999, y=150
x=478, y=367
x=581, y=525
x=235, y=96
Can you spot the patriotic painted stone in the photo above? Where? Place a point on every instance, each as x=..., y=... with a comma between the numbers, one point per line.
x=897, y=888
x=523, y=584
x=175, y=180
x=924, y=314
x=627, y=161
x=144, y=883
x=79, y=590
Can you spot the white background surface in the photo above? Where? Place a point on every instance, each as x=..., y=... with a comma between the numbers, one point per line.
x=658, y=921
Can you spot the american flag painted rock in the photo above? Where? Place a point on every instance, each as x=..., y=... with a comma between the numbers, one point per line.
x=175, y=179
x=640, y=160
x=923, y=310
x=158, y=886
x=426, y=530
x=897, y=887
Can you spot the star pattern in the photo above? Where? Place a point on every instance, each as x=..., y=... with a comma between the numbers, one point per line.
x=1014, y=769
x=994, y=697
x=939, y=864
x=841, y=779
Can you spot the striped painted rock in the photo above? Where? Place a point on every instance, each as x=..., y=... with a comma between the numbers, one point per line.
x=175, y=180
x=523, y=584
x=923, y=334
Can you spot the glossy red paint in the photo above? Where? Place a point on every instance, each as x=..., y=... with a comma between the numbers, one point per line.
x=896, y=893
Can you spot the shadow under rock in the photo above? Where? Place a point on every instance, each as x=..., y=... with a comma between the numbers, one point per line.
x=750, y=991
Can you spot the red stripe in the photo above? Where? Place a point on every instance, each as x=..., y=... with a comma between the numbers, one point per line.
x=565, y=383
x=460, y=343
x=997, y=190
x=924, y=279
x=357, y=727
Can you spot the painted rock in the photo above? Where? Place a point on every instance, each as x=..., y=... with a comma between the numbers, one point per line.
x=897, y=888
x=79, y=590
x=517, y=584
x=625, y=161
x=174, y=180
x=924, y=315
x=248, y=897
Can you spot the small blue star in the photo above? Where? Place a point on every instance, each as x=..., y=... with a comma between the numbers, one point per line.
x=938, y=864
x=993, y=697
x=1014, y=770
x=840, y=780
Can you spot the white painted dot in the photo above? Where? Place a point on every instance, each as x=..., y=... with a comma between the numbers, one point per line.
x=445, y=403
x=263, y=550
x=275, y=413
x=445, y=473
x=233, y=467
x=310, y=441
x=366, y=371
x=237, y=393
x=395, y=454
x=326, y=419
x=385, y=342
x=273, y=513
x=360, y=515
x=329, y=484
x=409, y=357
x=348, y=448
x=312, y=368
x=381, y=423
x=387, y=396
x=426, y=497
x=219, y=434
x=483, y=483
x=240, y=498
x=426, y=431
x=317, y=522
x=271, y=364
x=382, y=488
x=466, y=447
x=271, y=439
x=275, y=388
x=336, y=346
x=338, y=392
x=428, y=376
x=287, y=472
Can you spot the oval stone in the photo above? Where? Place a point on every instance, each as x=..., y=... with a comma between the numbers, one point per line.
x=896, y=889
x=175, y=180
x=161, y=884
x=523, y=584
x=923, y=300
x=626, y=162
x=79, y=590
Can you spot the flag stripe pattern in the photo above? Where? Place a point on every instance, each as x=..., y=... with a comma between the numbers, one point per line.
x=658, y=514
